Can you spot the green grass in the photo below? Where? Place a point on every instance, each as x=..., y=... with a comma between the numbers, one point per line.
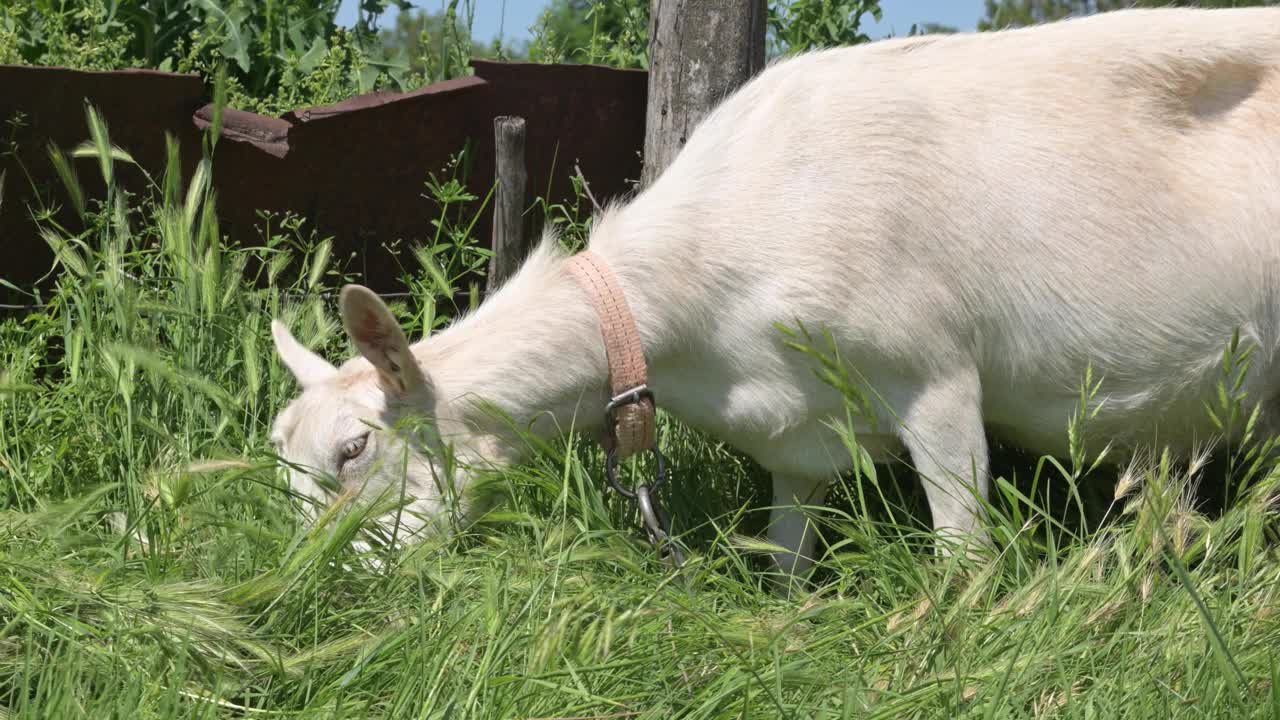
x=152, y=564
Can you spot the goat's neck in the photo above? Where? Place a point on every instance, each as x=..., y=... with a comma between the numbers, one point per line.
x=535, y=349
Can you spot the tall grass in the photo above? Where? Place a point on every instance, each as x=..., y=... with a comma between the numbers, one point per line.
x=153, y=565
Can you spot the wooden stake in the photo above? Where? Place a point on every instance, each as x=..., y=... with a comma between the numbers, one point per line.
x=509, y=244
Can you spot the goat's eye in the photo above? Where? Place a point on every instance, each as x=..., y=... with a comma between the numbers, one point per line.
x=352, y=448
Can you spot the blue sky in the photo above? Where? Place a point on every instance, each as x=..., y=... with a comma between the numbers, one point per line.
x=514, y=17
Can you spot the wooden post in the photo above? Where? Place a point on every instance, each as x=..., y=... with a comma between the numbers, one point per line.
x=509, y=248
x=700, y=51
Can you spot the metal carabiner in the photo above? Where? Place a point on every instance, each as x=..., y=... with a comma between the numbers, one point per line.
x=656, y=527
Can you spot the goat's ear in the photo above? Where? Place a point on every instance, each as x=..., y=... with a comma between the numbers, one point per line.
x=380, y=339
x=307, y=367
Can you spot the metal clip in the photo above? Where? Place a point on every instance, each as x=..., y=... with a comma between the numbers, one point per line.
x=655, y=521
x=656, y=527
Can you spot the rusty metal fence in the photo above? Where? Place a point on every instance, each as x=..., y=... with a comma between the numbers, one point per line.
x=355, y=170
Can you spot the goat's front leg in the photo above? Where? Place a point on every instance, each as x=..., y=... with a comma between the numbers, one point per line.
x=789, y=527
x=942, y=429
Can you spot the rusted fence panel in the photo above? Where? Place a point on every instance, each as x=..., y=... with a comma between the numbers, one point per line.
x=43, y=106
x=355, y=170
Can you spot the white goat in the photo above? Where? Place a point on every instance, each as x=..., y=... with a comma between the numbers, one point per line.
x=974, y=218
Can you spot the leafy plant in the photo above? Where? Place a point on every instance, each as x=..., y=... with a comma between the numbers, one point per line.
x=279, y=53
x=432, y=46
x=799, y=25
x=619, y=33
x=91, y=35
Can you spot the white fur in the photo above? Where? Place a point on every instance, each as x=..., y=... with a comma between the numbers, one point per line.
x=974, y=218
